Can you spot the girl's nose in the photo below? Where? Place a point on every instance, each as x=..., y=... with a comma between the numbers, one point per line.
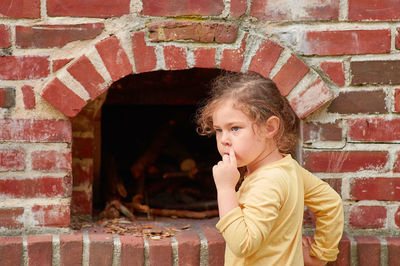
x=225, y=140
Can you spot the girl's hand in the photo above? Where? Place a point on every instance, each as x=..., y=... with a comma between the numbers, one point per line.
x=226, y=174
x=308, y=259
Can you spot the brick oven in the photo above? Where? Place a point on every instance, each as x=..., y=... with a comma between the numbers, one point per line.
x=72, y=71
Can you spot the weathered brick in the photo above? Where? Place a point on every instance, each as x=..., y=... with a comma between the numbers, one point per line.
x=311, y=99
x=40, y=250
x=321, y=132
x=35, y=188
x=343, y=258
x=51, y=215
x=12, y=160
x=49, y=36
x=397, y=40
x=28, y=96
x=160, y=250
x=82, y=171
x=88, y=8
x=132, y=250
x=11, y=251
x=396, y=165
x=24, y=67
x=374, y=10
x=5, y=40
x=335, y=71
x=393, y=246
x=81, y=202
x=11, y=218
x=114, y=57
x=175, y=57
x=344, y=161
x=59, y=63
x=335, y=183
x=397, y=217
x=238, y=8
x=368, y=250
x=265, y=58
x=84, y=121
x=216, y=245
x=71, y=245
x=166, y=8
x=144, y=56
x=86, y=74
x=7, y=97
x=20, y=9
x=188, y=248
x=375, y=72
x=374, y=130
x=82, y=147
x=290, y=74
x=51, y=161
x=397, y=100
x=232, y=59
x=206, y=32
x=35, y=130
x=355, y=102
x=380, y=188
x=101, y=249
x=62, y=98
x=204, y=57
x=346, y=42
x=368, y=216
x=287, y=10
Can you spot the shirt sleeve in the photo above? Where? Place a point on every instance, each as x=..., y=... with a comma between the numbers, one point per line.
x=247, y=226
x=327, y=206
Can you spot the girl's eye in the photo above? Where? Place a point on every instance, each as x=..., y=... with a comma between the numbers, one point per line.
x=235, y=128
x=218, y=130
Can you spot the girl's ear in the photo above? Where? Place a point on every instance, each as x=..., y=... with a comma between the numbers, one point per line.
x=272, y=126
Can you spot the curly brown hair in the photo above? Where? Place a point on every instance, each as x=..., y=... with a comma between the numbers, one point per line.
x=258, y=98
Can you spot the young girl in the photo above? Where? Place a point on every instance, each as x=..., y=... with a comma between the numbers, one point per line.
x=262, y=222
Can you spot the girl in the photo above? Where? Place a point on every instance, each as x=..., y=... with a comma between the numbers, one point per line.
x=262, y=222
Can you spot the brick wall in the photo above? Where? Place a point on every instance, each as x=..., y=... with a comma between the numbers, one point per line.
x=336, y=61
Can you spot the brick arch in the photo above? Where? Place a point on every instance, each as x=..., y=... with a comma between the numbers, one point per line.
x=115, y=57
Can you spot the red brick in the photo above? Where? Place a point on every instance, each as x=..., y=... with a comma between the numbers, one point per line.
x=346, y=42
x=5, y=41
x=238, y=8
x=186, y=30
x=88, y=8
x=265, y=58
x=335, y=183
x=343, y=258
x=101, y=249
x=24, y=67
x=380, y=188
x=355, y=102
x=114, y=57
x=38, y=187
x=40, y=250
x=84, y=121
x=344, y=161
x=397, y=217
x=375, y=72
x=59, y=63
x=71, y=245
x=311, y=99
x=216, y=245
x=393, y=246
x=35, y=130
x=308, y=218
x=321, y=132
x=145, y=56
x=11, y=218
x=12, y=160
x=62, y=98
x=368, y=216
x=81, y=202
x=160, y=250
x=82, y=172
x=188, y=248
x=20, y=8
x=397, y=100
x=179, y=7
x=288, y=10
x=232, y=59
x=49, y=36
x=28, y=97
x=7, y=97
x=397, y=40
x=175, y=57
x=51, y=215
x=368, y=250
x=51, y=161
x=82, y=147
x=374, y=130
x=396, y=165
x=290, y=74
x=132, y=250
x=374, y=10
x=335, y=71
x=204, y=57
x=11, y=251
x=86, y=74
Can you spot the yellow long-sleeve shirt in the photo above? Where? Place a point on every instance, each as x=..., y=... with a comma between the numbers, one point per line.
x=266, y=228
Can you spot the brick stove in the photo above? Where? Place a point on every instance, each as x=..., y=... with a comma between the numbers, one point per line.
x=335, y=61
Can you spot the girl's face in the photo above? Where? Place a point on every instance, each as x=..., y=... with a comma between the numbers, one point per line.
x=234, y=129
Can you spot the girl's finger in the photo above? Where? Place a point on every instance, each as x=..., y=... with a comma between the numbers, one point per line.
x=225, y=158
x=232, y=157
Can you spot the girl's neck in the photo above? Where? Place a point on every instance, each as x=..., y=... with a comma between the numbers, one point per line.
x=271, y=156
